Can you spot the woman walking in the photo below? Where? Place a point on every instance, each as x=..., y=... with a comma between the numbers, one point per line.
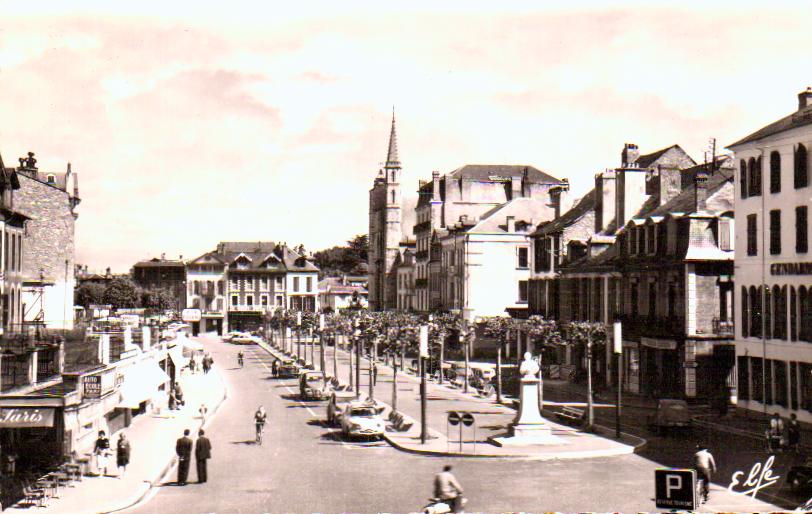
x=102, y=452
x=122, y=454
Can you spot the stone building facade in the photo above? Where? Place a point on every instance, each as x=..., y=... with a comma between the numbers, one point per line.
x=773, y=267
x=164, y=275
x=49, y=199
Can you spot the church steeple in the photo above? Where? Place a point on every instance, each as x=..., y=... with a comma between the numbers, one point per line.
x=392, y=160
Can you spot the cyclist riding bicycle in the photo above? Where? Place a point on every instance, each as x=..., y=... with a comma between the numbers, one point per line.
x=259, y=418
x=240, y=358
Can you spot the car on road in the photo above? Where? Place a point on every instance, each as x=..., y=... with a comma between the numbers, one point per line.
x=231, y=335
x=671, y=413
x=313, y=385
x=288, y=368
x=339, y=400
x=362, y=420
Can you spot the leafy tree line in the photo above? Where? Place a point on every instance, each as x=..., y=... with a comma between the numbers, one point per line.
x=342, y=259
x=123, y=293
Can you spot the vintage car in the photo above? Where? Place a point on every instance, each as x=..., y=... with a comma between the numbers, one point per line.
x=288, y=368
x=339, y=400
x=671, y=413
x=229, y=338
x=362, y=419
x=313, y=385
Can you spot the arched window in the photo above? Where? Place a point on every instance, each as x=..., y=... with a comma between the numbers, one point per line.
x=801, y=167
x=768, y=313
x=745, y=314
x=805, y=301
x=793, y=314
x=755, y=312
x=754, y=177
x=780, y=313
x=775, y=172
x=743, y=178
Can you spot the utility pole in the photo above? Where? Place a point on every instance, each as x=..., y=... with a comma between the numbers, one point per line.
x=590, y=415
x=499, y=374
x=424, y=349
x=618, y=351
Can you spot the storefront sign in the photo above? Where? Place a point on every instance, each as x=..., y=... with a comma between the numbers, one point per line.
x=92, y=387
x=190, y=315
x=791, y=268
x=26, y=417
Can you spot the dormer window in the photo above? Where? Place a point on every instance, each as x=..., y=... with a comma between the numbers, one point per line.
x=51, y=178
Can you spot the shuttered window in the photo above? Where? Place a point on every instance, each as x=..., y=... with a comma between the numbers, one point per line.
x=752, y=234
x=775, y=232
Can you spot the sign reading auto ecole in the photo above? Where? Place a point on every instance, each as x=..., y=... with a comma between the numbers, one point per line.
x=92, y=386
x=675, y=489
x=791, y=268
x=26, y=417
x=191, y=315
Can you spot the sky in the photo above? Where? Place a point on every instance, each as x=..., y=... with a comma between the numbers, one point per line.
x=193, y=123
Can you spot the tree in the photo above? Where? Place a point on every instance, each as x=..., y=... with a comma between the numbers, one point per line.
x=342, y=259
x=88, y=294
x=159, y=299
x=588, y=335
x=122, y=293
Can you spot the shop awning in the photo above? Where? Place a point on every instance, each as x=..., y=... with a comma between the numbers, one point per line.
x=26, y=417
x=141, y=382
x=176, y=354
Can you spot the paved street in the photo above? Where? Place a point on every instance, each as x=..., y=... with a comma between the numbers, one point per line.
x=306, y=467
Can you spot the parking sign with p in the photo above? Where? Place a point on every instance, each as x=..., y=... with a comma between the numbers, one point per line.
x=675, y=489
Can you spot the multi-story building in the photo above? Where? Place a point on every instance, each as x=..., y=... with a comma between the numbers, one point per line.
x=484, y=263
x=773, y=291
x=405, y=277
x=12, y=234
x=467, y=195
x=163, y=274
x=390, y=228
x=49, y=199
x=251, y=279
x=206, y=290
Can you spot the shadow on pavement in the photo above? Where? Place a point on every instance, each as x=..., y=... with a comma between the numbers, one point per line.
x=246, y=442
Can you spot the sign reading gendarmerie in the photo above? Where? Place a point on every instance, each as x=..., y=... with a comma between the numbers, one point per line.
x=675, y=489
x=791, y=268
x=26, y=417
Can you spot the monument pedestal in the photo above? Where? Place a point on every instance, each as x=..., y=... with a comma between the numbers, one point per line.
x=528, y=427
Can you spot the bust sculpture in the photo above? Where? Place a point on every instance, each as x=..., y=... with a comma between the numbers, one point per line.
x=529, y=367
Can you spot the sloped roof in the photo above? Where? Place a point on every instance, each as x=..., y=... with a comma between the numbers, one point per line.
x=494, y=220
x=258, y=253
x=246, y=246
x=686, y=200
x=797, y=119
x=578, y=211
x=645, y=161
x=485, y=171
x=159, y=263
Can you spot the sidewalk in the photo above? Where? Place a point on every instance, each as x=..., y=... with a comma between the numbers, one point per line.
x=153, y=451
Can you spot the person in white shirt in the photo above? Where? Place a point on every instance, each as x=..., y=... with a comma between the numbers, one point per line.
x=705, y=467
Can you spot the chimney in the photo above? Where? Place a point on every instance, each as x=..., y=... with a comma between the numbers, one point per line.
x=701, y=196
x=107, y=273
x=180, y=258
x=163, y=256
x=515, y=187
x=435, y=186
x=629, y=155
x=804, y=97
x=511, y=224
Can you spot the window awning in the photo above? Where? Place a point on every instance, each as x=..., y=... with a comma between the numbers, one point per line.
x=141, y=382
x=176, y=354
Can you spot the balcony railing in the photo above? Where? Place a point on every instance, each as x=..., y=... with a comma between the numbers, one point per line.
x=421, y=255
x=421, y=283
x=249, y=308
x=420, y=227
x=723, y=327
x=653, y=326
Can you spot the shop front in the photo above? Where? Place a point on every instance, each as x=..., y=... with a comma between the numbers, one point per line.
x=660, y=368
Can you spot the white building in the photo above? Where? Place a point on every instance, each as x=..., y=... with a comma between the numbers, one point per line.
x=485, y=263
x=773, y=292
x=340, y=293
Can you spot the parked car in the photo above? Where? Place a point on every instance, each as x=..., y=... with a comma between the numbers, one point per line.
x=231, y=335
x=313, y=385
x=362, y=419
x=288, y=369
x=339, y=400
x=671, y=413
x=243, y=339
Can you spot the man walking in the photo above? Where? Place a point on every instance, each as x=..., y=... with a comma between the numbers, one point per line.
x=183, y=448
x=202, y=454
x=705, y=467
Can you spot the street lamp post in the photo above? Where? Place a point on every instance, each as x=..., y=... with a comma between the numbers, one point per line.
x=466, y=350
x=590, y=413
x=424, y=346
